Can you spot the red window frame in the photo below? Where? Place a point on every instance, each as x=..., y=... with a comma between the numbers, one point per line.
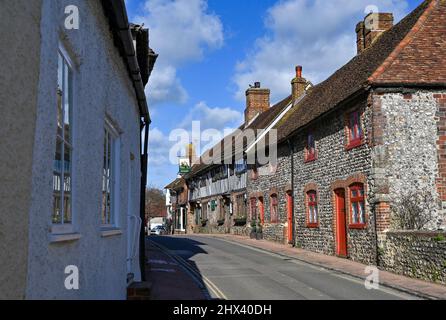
x=253, y=209
x=310, y=150
x=357, y=202
x=312, y=207
x=274, y=216
x=355, y=132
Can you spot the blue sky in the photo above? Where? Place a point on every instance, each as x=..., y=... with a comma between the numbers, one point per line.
x=211, y=50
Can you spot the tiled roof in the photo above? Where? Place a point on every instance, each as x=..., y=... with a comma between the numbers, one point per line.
x=176, y=184
x=355, y=75
x=262, y=121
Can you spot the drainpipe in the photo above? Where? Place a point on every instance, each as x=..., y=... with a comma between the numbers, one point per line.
x=291, y=148
x=144, y=159
x=372, y=91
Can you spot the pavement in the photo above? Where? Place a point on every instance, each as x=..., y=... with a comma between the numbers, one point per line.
x=238, y=268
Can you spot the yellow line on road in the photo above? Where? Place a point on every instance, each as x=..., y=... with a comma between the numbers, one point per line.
x=212, y=286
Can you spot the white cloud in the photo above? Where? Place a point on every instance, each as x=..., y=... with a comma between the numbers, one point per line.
x=318, y=34
x=165, y=86
x=159, y=146
x=180, y=32
x=220, y=120
x=212, y=118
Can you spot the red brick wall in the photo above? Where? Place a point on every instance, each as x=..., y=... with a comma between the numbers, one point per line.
x=441, y=145
x=257, y=101
x=382, y=211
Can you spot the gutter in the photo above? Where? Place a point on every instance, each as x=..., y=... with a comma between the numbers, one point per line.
x=117, y=14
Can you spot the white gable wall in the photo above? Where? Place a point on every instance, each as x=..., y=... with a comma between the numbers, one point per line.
x=101, y=87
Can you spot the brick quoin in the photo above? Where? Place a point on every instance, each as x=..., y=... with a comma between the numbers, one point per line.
x=382, y=211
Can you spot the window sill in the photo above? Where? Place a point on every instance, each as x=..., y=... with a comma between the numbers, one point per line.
x=66, y=237
x=354, y=144
x=313, y=225
x=310, y=159
x=107, y=232
x=357, y=226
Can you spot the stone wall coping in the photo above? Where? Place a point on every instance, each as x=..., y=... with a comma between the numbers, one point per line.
x=416, y=233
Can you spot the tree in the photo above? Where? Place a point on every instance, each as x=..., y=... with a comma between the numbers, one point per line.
x=155, y=203
x=414, y=211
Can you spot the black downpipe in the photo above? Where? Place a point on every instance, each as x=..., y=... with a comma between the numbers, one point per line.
x=144, y=160
x=291, y=148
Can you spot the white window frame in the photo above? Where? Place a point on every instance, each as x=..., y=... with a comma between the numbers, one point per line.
x=66, y=228
x=111, y=131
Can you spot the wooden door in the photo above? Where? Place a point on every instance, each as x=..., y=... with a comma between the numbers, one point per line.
x=341, y=224
x=262, y=211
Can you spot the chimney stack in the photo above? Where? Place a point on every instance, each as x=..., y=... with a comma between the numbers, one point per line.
x=298, y=84
x=257, y=101
x=373, y=26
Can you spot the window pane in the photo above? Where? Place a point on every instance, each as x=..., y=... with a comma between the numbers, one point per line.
x=109, y=155
x=67, y=184
x=67, y=102
x=315, y=214
x=59, y=72
x=59, y=113
x=108, y=212
x=57, y=184
x=58, y=157
x=355, y=212
x=56, y=217
x=67, y=208
x=362, y=212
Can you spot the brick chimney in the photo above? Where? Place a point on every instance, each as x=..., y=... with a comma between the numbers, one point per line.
x=373, y=26
x=298, y=84
x=257, y=101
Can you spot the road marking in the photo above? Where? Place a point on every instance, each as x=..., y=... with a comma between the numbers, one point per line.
x=383, y=287
x=162, y=270
x=195, y=273
x=163, y=262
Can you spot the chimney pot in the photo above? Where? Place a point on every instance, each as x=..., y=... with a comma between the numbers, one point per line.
x=299, y=72
x=298, y=85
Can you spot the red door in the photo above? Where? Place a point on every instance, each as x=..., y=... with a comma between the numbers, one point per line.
x=341, y=229
x=262, y=211
x=289, y=199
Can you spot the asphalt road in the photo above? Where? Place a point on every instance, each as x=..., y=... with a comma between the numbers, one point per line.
x=237, y=272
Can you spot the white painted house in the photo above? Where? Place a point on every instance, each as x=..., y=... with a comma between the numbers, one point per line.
x=72, y=163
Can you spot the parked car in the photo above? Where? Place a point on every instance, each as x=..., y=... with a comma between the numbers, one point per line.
x=159, y=231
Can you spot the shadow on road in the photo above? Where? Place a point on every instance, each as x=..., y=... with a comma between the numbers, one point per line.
x=174, y=276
